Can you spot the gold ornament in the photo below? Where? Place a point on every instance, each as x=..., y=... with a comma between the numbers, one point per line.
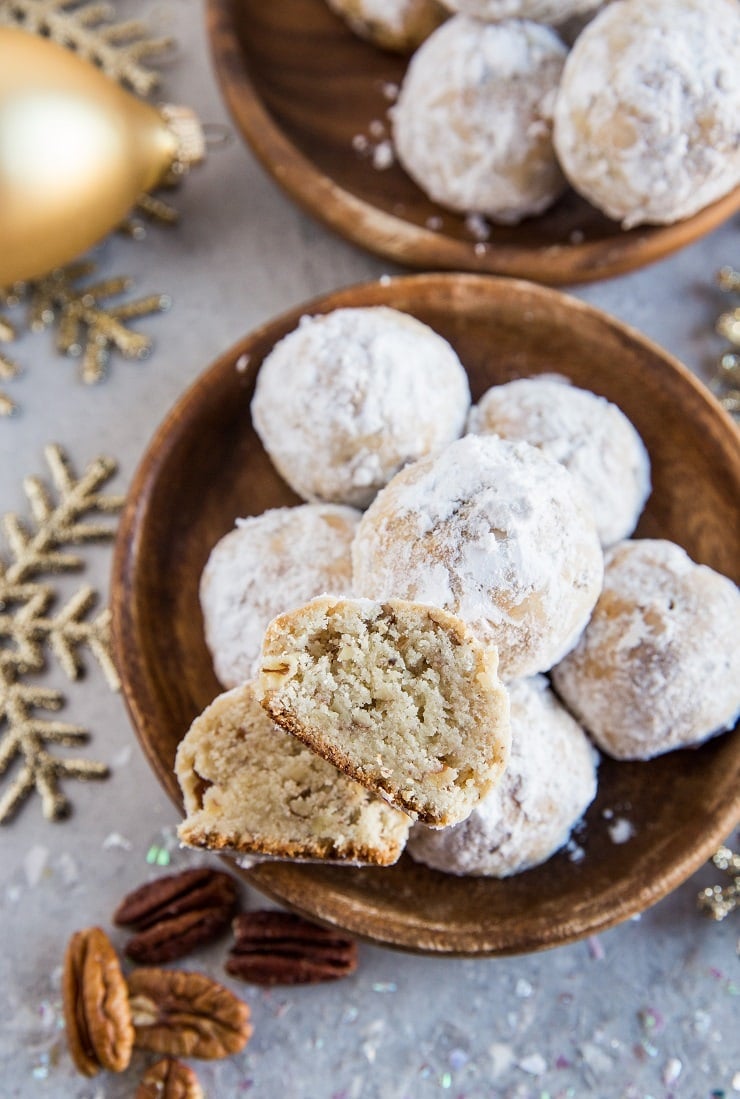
x=76, y=152
x=28, y=631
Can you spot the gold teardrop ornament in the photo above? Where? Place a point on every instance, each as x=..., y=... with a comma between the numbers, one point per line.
x=76, y=152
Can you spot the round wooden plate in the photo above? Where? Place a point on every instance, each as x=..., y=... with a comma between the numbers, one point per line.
x=206, y=466
x=300, y=86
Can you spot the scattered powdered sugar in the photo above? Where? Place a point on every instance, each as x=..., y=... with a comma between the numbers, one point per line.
x=115, y=839
x=646, y=116
x=621, y=830
x=534, y=1064
x=477, y=226
x=35, y=864
x=270, y=564
x=472, y=123
x=498, y=534
x=658, y=666
x=383, y=156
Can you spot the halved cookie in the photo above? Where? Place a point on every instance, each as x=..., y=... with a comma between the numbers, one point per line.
x=250, y=788
x=400, y=696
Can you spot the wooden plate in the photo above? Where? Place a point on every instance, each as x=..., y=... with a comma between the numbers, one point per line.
x=205, y=466
x=301, y=86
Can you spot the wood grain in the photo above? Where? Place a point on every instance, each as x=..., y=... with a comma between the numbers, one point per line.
x=300, y=86
x=205, y=466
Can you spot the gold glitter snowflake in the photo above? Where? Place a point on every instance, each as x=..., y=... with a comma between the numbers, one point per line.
x=86, y=325
x=85, y=27
x=727, y=382
x=30, y=631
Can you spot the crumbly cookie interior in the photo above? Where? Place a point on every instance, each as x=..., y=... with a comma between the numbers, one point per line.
x=398, y=695
x=250, y=787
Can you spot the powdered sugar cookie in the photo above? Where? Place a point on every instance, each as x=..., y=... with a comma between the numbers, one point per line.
x=589, y=435
x=495, y=532
x=539, y=11
x=348, y=398
x=549, y=782
x=270, y=563
x=647, y=118
x=392, y=24
x=473, y=121
x=658, y=666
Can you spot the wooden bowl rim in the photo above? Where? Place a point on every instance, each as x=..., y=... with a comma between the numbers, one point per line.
x=342, y=911
x=404, y=242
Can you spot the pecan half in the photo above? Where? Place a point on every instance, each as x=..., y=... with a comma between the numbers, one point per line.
x=169, y=1079
x=186, y=1014
x=176, y=913
x=96, y=1008
x=274, y=947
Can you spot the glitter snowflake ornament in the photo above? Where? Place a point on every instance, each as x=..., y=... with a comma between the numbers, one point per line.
x=31, y=632
x=718, y=901
x=119, y=48
x=726, y=384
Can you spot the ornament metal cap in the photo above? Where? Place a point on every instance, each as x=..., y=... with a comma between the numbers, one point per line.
x=185, y=125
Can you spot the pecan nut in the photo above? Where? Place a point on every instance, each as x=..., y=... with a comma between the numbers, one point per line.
x=177, y=913
x=96, y=1008
x=169, y=1079
x=185, y=1014
x=274, y=947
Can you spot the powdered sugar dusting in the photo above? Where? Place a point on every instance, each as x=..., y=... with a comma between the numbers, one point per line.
x=646, y=122
x=269, y=564
x=384, y=387
x=658, y=666
x=394, y=24
x=472, y=124
x=495, y=532
x=587, y=434
x=541, y=11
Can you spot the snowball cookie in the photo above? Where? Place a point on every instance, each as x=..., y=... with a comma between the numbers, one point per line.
x=348, y=398
x=647, y=119
x=539, y=11
x=249, y=787
x=495, y=532
x=658, y=666
x=549, y=782
x=270, y=563
x=401, y=697
x=473, y=121
x=591, y=437
x=393, y=24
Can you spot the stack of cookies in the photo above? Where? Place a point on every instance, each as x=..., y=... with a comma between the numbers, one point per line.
x=496, y=116
x=388, y=668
